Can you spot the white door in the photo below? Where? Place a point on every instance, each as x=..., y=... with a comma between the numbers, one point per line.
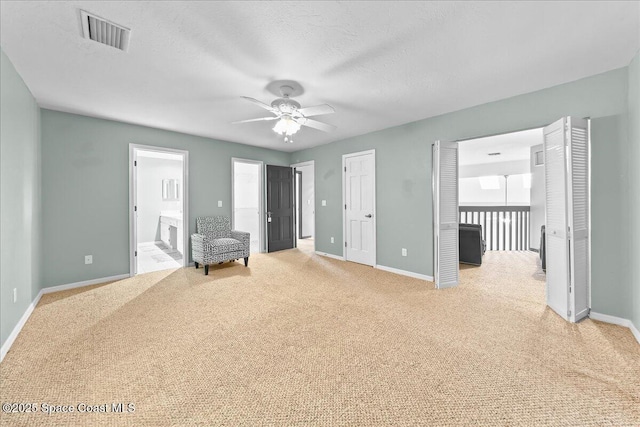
x=247, y=200
x=359, y=197
x=566, y=159
x=445, y=221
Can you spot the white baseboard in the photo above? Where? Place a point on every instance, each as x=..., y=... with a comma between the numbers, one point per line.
x=14, y=334
x=84, y=283
x=23, y=320
x=330, y=255
x=405, y=273
x=616, y=321
x=385, y=268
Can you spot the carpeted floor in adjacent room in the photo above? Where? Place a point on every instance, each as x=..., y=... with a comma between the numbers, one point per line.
x=300, y=339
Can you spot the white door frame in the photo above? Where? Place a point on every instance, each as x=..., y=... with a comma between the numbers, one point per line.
x=261, y=174
x=344, y=201
x=133, y=193
x=310, y=163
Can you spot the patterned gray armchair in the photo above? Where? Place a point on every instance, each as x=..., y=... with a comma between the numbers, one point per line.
x=215, y=242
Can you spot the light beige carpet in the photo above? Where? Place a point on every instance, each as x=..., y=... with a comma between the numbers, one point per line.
x=300, y=339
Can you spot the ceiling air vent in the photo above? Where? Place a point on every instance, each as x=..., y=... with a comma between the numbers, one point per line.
x=102, y=31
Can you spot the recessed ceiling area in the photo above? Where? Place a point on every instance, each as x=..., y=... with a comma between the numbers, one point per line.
x=379, y=64
x=512, y=147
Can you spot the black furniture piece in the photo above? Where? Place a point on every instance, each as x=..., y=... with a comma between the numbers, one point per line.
x=543, y=255
x=471, y=244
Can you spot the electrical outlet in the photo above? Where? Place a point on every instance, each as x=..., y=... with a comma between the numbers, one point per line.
x=15, y=294
x=219, y=203
x=324, y=203
x=404, y=251
x=332, y=240
x=88, y=259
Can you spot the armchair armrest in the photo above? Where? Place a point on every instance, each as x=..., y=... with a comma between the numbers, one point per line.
x=199, y=238
x=242, y=236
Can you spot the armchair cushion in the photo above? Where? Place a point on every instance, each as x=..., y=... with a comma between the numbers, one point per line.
x=224, y=245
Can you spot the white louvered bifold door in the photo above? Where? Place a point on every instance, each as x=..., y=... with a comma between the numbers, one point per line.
x=578, y=216
x=567, y=222
x=445, y=234
x=557, y=241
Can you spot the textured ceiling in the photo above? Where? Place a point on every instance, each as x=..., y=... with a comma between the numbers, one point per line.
x=380, y=64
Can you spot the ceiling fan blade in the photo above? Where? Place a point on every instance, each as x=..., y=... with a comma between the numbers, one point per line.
x=316, y=110
x=255, y=120
x=315, y=124
x=260, y=104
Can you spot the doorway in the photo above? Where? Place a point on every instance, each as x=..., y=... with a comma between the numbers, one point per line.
x=566, y=243
x=359, y=199
x=501, y=193
x=158, y=225
x=246, y=200
x=281, y=221
x=305, y=205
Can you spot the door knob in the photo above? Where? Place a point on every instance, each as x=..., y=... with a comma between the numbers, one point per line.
x=368, y=216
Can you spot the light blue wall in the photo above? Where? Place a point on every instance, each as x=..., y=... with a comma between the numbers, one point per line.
x=610, y=290
x=20, y=213
x=85, y=203
x=634, y=185
x=403, y=176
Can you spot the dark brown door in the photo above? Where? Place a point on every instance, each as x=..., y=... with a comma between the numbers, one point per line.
x=280, y=208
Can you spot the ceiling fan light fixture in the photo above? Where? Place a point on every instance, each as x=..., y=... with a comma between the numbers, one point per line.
x=288, y=113
x=286, y=126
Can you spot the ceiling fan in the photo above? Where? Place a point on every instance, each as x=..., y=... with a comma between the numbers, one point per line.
x=289, y=114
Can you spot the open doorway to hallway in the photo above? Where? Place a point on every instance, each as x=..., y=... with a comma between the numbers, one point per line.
x=501, y=199
x=159, y=200
x=565, y=241
x=304, y=184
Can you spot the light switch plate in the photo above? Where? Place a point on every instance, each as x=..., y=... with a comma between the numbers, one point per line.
x=88, y=259
x=324, y=203
x=219, y=203
x=332, y=240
